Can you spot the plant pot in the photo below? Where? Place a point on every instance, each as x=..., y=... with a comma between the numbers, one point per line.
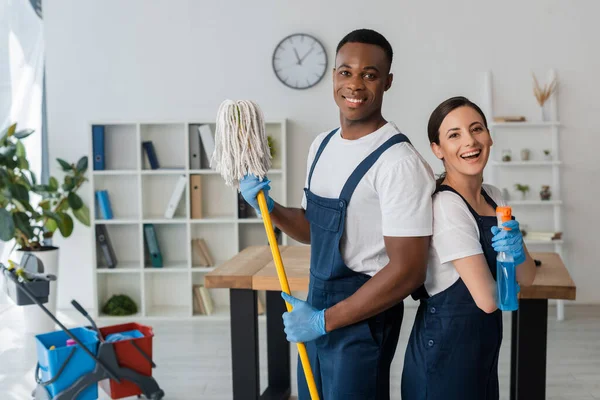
x=36, y=321
x=545, y=112
x=525, y=155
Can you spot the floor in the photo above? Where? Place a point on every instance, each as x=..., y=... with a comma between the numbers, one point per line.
x=194, y=357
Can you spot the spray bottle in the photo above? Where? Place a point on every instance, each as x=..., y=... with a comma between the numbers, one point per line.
x=506, y=277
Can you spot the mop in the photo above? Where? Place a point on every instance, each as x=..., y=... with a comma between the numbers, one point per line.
x=241, y=148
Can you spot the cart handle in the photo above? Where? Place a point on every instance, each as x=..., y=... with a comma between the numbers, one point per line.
x=143, y=354
x=78, y=307
x=39, y=381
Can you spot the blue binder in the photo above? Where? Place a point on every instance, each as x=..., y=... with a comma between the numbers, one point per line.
x=98, y=147
x=153, y=248
x=151, y=154
x=103, y=202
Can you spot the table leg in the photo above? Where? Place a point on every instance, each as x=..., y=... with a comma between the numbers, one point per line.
x=528, y=350
x=278, y=350
x=244, y=344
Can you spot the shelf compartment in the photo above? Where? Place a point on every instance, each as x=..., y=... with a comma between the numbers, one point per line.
x=273, y=129
x=172, y=244
x=120, y=142
x=220, y=239
x=166, y=295
x=123, y=196
x=168, y=142
x=218, y=297
x=253, y=235
x=156, y=195
x=125, y=242
x=217, y=199
x=109, y=284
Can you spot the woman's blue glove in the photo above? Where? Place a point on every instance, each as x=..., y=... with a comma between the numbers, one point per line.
x=304, y=323
x=250, y=185
x=510, y=242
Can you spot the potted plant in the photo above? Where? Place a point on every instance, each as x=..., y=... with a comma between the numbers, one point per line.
x=547, y=155
x=545, y=193
x=32, y=212
x=523, y=189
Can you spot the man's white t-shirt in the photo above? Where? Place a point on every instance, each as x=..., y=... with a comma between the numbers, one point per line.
x=455, y=236
x=392, y=199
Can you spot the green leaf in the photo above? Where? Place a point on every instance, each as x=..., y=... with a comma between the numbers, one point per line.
x=51, y=225
x=33, y=178
x=82, y=164
x=23, y=134
x=7, y=225
x=9, y=151
x=19, y=205
x=19, y=192
x=69, y=184
x=45, y=204
x=83, y=215
x=21, y=221
x=75, y=201
x=24, y=181
x=66, y=228
x=8, y=132
x=23, y=163
x=64, y=206
x=53, y=184
x=20, y=149
x=65, y=165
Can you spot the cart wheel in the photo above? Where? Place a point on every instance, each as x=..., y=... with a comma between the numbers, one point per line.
x=157, y=395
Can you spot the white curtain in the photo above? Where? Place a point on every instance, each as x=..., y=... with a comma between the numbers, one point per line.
x=21, y=79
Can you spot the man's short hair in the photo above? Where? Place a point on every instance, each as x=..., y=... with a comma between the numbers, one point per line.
x=368, y=36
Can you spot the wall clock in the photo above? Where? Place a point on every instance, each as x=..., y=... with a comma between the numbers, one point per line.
x=300, y=61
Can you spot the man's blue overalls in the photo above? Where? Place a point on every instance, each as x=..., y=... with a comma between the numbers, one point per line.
x=453, y=349
x=352, y=362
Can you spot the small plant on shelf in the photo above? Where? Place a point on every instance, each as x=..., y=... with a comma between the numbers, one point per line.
x=547, y=155
x=523, y=189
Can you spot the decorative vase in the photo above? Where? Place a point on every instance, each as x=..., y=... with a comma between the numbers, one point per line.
x=545, y=193
x=545, y=111
x=36, y=321
x=525, y=155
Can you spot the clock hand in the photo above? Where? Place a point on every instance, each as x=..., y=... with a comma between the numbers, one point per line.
x=303, y=57
x=297, y=56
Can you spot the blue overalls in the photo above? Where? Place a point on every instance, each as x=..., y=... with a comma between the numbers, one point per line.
x=352, y=362
x=453, y=348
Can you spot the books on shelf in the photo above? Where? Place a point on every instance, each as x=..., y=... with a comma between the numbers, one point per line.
x=196, y=196
x=176, y=196
x=105, y=246
x=549, y=236
x=207, y=142
x=104, y=209
x=151, y=241
x=203, y=303
x=98, y=147
x=201, y=250
x=150, y=152
x=510, y=118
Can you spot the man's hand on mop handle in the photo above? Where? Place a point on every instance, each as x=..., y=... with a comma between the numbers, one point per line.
x=304, y=323
x=250, y=185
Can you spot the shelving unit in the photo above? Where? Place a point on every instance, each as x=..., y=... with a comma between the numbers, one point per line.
x=536, y=136
x=139, y=195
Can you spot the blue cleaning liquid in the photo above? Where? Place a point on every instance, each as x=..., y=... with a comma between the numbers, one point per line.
x=506, y=281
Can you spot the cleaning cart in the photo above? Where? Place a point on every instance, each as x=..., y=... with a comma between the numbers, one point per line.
x=72, y=362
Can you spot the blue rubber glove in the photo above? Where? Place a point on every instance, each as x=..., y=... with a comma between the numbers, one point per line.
x=250, y=185
x=304, y=323
x=510, y=242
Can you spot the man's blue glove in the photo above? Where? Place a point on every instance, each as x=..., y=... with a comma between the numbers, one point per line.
x=250, y=185
x=304, y=323
x=510, y=242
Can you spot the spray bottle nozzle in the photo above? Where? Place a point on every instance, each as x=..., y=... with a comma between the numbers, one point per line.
x=503, y=214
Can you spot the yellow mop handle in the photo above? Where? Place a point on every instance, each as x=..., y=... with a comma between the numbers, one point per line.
x=283, y=282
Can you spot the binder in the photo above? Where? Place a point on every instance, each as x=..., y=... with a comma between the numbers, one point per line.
x=242, y=207
x=203, y=261
x=195, y=155
x=151, y=240
x=151, y=154
x=206, y=300
x=205, y=251
x=105, y=246
x=176, y=196
x=98, y=147
x=196, y=196
x=208, y=144
x=103, y=201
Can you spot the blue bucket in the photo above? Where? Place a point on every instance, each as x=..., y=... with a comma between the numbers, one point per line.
x=79, y=364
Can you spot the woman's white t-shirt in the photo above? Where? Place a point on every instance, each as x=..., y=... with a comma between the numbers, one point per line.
x=455, y=236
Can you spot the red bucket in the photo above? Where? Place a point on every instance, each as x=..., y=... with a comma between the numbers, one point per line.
x=129, y=357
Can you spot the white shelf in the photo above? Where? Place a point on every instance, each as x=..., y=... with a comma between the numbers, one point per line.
x=530, y=241
x=539, y=124
x=534, y=202
x=139, y=195
x=525, y=163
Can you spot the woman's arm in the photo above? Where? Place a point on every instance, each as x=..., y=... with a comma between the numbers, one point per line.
x=526, y=271
x=476, y=275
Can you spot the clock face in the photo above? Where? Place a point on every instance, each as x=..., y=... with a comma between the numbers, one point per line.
x=300, y=61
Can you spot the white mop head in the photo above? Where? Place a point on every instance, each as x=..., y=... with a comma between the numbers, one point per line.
x=241, y=145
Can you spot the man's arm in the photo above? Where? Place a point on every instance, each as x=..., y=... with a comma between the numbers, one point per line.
x=404, y=273
x=292, y=221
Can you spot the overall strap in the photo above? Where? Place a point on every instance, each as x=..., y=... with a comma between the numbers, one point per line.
x=366, y=164
x=319, y=151
x=487, y=198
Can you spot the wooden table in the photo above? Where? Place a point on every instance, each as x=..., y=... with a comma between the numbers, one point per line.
x=253, y=269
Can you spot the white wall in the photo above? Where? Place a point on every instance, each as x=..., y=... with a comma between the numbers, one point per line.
x=178, y=59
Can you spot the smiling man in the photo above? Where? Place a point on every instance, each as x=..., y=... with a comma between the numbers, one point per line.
x=367, y=215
